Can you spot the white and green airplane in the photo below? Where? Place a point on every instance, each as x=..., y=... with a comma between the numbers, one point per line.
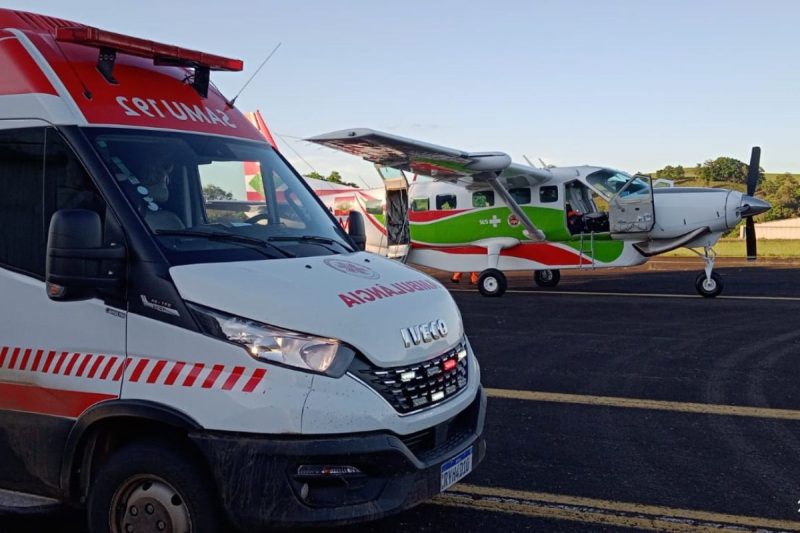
x=482, y=213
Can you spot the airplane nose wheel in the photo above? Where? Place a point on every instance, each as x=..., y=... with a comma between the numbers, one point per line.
x=492, y=283
x=708, y=287
x=547, y=278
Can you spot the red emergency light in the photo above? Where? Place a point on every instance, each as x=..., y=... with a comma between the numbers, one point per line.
x=110, y=43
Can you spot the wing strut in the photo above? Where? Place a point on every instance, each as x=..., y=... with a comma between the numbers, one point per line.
x=531, y=231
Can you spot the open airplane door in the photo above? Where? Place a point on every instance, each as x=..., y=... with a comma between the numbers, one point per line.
x=398, y=237
x=631, y=209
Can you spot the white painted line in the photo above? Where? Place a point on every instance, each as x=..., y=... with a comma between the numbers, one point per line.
x=639, y=295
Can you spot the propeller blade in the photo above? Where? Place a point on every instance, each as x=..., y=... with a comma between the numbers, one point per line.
x=753, y=171
x=750, y=238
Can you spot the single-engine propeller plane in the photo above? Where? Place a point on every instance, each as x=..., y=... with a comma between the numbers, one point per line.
x=482, y=212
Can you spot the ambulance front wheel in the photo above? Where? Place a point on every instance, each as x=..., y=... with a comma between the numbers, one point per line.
x=547, y=278
x=153, y=487
x=492, y=282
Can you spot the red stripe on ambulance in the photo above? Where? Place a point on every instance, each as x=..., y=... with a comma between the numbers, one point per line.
x=143, y=370
x=55, y=402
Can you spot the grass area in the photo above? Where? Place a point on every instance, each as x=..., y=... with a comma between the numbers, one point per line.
x=736, y=248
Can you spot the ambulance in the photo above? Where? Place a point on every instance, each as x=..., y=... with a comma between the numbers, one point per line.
x=176, y=357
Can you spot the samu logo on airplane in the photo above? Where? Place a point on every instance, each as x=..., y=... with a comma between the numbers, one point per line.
x=428, y=332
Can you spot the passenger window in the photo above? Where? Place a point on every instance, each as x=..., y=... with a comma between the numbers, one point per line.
x=445, y=202
x=521, y=195
x=420, y=204
x=483, y=199
x=67, y=184
x=22, y=230
x=548, y=194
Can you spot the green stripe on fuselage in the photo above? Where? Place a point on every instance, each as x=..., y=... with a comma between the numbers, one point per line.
x=484, y=223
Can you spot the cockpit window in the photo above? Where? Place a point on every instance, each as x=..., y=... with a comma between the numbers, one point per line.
x=611, y=182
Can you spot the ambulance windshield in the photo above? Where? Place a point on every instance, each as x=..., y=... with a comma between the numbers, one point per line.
x=217, y=199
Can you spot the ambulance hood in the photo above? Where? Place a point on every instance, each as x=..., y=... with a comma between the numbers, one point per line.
x=361, y=299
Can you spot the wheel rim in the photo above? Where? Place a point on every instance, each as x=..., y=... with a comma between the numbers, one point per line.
x=546, y=275
x=490, y=284
x=148, y=504
x=709, y=284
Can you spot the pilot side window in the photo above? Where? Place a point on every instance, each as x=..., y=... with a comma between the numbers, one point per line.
x=521, y=195
x=483, y=199
x=39, y=175
x=548, y=194
x=420, y=204
x=445, y=202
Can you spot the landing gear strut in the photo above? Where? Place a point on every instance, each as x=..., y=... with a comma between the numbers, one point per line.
x=708, y=283
x=547, y=278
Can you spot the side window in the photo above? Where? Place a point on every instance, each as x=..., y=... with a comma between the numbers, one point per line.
x=521, y=195
x=420, y=204
x=67, y=184
x=445, y=202
x=548, y=194
x=22, y=229
x=483, y=199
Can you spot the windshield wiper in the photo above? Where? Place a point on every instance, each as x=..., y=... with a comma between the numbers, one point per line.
x=314, y=239
x=226, y=237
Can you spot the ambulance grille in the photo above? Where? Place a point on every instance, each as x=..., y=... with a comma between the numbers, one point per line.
x=414, y=387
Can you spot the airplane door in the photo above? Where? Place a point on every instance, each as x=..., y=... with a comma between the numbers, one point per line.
x=398, y=237
x=631, y=209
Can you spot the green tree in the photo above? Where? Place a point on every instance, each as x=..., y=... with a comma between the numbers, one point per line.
x=212, y=192
x=783, y=192
x=671, y=173
x=333, y=177
x=724, y=169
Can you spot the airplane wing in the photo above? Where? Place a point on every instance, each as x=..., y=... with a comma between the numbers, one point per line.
x=389, y=150
x=440, y=163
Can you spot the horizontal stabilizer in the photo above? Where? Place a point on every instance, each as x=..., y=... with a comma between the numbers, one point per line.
x=660, y=246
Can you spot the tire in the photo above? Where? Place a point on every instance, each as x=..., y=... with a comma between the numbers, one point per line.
x=547, y=278
x=708, y=287
x=492, y=283
x=143, y=484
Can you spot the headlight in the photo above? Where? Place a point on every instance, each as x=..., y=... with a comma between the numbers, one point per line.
x=276, y=345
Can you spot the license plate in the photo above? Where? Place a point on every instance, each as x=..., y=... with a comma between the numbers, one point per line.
x=456, y=469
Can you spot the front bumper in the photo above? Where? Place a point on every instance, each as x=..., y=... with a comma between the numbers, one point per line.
x=259, y=487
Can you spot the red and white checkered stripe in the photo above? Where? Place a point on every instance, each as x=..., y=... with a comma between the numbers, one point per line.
x=79, y=365
x=197, y=375
x=142, y=370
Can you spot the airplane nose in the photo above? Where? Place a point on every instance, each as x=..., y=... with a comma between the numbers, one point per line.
x=752, y=206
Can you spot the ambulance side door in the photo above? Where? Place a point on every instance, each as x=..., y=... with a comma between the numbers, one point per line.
x=57, y=359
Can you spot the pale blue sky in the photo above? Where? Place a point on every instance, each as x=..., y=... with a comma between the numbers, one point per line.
x=630, y=84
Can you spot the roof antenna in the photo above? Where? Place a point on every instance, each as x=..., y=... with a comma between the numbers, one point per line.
x=528, y=160
x=233, y=100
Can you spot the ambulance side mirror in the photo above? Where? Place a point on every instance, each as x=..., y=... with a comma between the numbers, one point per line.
x=78, y=264
x=356, y=230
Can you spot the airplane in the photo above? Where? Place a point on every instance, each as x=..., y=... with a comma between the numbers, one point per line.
x=480, y=212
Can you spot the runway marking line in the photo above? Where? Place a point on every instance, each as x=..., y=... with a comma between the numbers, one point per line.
x=639, y=403
x=641, y=295
x=609, y=512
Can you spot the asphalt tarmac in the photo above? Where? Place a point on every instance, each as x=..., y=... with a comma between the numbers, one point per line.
x=622, y=400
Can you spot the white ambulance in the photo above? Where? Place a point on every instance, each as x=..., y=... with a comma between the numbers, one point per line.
x=174, y=357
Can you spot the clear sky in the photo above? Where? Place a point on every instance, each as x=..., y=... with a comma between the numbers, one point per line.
x=632, y=84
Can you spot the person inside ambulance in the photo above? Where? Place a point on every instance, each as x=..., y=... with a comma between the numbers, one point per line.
x=154, y=175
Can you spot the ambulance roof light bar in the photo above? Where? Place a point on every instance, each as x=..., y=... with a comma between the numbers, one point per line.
x=110, y=43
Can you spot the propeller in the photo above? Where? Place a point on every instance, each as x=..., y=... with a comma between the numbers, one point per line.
x=752, y=182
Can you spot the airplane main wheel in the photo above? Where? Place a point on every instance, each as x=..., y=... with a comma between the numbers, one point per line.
x=547, y=278
x=492, y=282
x=708, y=287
